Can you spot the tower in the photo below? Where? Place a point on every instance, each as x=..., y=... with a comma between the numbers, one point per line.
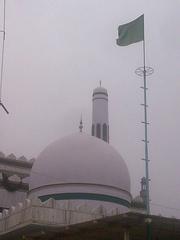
x=100, y=119
x=143, y=190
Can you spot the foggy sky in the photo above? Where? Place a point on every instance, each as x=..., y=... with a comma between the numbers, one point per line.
x=57, y=51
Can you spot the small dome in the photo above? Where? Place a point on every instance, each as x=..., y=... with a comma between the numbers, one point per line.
x=100, y=90
x=138, y=203
x=11, y=156
x=22, y=158
x=138, y=199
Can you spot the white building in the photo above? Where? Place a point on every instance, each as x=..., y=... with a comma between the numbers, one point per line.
x=81, y=174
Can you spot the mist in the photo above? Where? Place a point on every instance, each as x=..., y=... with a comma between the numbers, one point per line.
x=57, y=51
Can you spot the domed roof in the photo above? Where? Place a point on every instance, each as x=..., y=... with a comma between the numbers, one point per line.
x=100, y=90
x=80, y=158
x=138, y=199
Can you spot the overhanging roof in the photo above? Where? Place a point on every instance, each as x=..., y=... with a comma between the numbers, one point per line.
x=12, y=166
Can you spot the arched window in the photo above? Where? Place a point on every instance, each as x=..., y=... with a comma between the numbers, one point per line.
x=98, y=130
x=105, y=138
x=93, y=130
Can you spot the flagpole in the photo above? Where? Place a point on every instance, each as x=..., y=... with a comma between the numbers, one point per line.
x=146, y=131
x=144, y=72
x=130, y=33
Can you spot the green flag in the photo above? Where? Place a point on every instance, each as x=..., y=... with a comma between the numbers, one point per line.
x=131, y=32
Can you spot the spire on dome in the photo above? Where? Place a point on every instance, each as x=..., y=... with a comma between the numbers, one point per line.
x=81, y=124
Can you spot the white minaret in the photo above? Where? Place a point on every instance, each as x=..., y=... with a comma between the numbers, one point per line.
x=100, y=119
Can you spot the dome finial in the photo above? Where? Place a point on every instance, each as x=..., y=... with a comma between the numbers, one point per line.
x=81, y=124
x=100, y=83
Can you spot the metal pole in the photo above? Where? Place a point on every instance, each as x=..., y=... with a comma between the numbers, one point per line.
x=148, y=228
x=4, y=23
x=146, y=132
x=148, y=231
x=144, y=72
x=3, y=42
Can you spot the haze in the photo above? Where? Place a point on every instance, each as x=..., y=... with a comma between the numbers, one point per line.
x=57, y=51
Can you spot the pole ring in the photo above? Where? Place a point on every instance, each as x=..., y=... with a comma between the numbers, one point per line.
x=140, y=71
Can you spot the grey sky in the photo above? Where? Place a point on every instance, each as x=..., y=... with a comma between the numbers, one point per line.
x=56, y=53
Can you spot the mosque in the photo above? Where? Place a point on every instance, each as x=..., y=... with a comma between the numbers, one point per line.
x=78, y=168
x=77, y=183
x=83, y=168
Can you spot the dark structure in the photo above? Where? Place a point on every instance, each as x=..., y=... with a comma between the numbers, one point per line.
x=12, y=184
x=129, y=226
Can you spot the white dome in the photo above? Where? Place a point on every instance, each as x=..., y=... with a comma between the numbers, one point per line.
x=138, y=199
x=80, y=158
x=85, y=163
x=100, y=90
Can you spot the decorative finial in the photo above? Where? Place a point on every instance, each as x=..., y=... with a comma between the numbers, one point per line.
x=81, y=124
x=100, y=83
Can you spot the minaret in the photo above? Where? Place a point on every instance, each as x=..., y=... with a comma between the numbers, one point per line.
x=143, y=190
x=81, y=125
x=100, y=119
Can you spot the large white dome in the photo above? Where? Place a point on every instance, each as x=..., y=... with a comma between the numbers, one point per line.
x=80, y=160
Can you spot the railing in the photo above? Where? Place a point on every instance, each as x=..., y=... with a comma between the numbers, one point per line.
x=48, y=213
